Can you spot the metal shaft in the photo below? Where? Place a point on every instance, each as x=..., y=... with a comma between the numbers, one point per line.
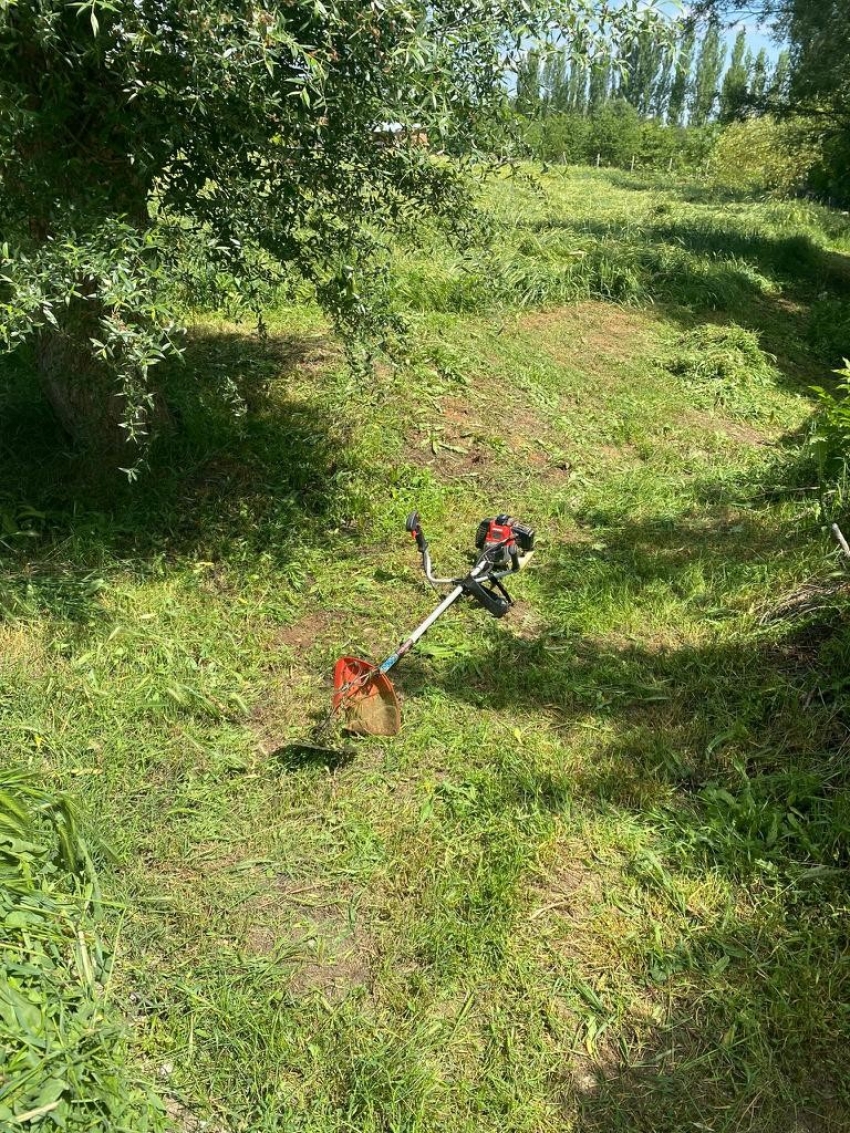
x=408, y=644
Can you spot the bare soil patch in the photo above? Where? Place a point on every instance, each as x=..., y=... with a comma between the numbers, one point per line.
x=308, y=631
x=568, y=890
x=317, y=929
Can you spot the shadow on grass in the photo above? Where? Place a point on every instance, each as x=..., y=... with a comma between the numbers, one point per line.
x=732, y=754
x=246, y=471
x=702, y=268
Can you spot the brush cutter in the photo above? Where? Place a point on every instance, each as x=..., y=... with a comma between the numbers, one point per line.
x=363, y=693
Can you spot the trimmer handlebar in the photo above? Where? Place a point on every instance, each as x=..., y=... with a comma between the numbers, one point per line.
x=501, y=543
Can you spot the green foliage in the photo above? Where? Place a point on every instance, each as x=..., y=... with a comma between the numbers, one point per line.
x=706, y=80
x=764, y=155
x=61, y=1039
x=759, y=80
x=681, y=78
x=812, y=81
x=616, y=136
x=583, y=239
x=829, y=438
x=733, y=93
x=528, y=84
x=133, y=137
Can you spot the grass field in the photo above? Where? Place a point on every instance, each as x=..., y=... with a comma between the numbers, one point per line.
x=599, y=882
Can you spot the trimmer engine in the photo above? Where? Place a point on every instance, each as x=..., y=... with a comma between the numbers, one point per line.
x=505, y=538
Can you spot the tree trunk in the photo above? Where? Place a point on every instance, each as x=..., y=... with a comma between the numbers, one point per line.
x=79, y=386
x=82, y=390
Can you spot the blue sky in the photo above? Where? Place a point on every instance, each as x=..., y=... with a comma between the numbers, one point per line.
x=758, y=37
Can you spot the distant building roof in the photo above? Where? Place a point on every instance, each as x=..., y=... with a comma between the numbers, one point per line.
x=395, y=127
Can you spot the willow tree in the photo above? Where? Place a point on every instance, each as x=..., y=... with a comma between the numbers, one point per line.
x=241, y=133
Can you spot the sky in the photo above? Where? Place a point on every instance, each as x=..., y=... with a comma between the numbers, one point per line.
x=758, y=37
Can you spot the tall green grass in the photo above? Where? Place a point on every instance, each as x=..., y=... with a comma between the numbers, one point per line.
x=561, y=237
x=62, y=1062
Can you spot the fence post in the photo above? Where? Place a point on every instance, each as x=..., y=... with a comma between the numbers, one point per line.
x=633, y=164
x=598, y=158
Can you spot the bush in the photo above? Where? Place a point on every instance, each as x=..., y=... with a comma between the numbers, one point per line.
x=560, y=138
x=829, y=438
x=615, y=135
x=763, y=155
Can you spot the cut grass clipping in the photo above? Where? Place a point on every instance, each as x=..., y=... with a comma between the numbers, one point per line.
x=727, y=367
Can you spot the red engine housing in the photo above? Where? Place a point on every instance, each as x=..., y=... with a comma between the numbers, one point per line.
x=498, y=533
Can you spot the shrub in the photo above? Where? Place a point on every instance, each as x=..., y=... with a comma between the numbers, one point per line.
x=763, y=155
x=560, y=138
x=829, y=438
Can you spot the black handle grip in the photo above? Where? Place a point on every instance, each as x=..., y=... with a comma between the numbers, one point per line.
x=492, y=603
x=412, y=525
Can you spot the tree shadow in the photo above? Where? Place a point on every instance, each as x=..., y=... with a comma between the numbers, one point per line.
x=731, y=753
x=792, y=293
x=252, y=467
x=710, y=1065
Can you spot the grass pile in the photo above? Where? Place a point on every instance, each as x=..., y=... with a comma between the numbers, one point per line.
x=726, y=365
x=599, y=881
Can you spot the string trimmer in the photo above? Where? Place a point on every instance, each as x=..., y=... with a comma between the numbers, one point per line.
x=363, y=693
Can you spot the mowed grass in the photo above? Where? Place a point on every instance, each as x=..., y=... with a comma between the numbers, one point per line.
x=599, y=880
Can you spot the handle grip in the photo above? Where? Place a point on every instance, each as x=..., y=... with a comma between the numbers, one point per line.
x=491, y=602
x=413, y=526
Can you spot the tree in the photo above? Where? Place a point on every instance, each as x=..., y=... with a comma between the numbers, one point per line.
x=780, y=80
x=707, y=76
x=681, y=81
x=528, y=83
x=246, y=132
x=556, y=81
x=663, y=84
x=818, y=87
x=758, y=82
x=600, y=79
x=733, y=93
x=641, y=74
x=576, y=95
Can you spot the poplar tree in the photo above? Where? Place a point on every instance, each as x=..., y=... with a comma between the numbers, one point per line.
x=733, y=93
x=709, y=68
x=758, y=81
x=682, y=78
x=528, y=83
x=599, y=84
